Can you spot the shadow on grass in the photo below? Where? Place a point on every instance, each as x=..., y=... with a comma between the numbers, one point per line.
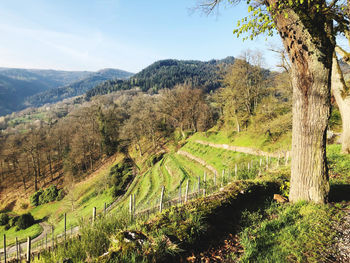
x=339, y=192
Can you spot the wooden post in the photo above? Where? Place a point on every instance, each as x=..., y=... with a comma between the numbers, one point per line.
x=199, y=185
x=53, y=238
x=28, y=249
x=130, y=207
x=223, y=178
x=93, y=214
x=17, y=256
x=186, y=194
x=260, y=162
x=205, y=183
x=236, y=170
x=5, y=258
x=180, y=193
x=161, y=200
x=105, y=209
x=215, y=179
x=65, y=227
x=287, y=157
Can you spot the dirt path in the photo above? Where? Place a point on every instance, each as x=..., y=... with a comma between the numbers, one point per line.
x=46, y=230
x=198, y=160
x=243, y=149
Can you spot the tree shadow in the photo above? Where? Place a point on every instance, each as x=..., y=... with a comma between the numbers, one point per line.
x=339, y=192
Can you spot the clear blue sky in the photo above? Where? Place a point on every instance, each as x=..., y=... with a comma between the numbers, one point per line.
x=124, y=34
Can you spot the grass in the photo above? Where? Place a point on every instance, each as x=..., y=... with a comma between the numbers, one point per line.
x=220, y=159
x=245, y=139
x=289, y=233
x=11, y=234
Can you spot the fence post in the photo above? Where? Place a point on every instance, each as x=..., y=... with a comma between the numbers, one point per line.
x=93, y=214
x=28, y=248
x=180, y=193
x=65, y=227
x=287, y=157
x=186, y=194
x=130, y=207
x=223, y=178
x=205, y=183
x=17, y=257
x=199, y=185
x=53, y=238
x=215, y=179
x=5, y=258
x=161, y=200
x=260, y=162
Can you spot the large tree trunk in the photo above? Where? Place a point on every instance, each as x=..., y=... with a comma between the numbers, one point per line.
x=342, y=97
x=310, y=45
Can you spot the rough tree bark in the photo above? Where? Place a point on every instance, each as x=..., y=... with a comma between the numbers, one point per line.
x=309, y=41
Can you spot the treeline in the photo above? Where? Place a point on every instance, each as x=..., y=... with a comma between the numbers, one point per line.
x=169, y=73
x=142, y=122
x=76, y=143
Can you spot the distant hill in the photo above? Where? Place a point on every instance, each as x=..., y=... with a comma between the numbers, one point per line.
x=18, y=84
x=168, y=73
x=76, y=88
x=19, y=88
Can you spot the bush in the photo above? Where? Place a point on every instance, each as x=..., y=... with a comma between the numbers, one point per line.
x=24, y=221
x=119, y=177
x=34, y=199
x=49, y=195
x=4, y=219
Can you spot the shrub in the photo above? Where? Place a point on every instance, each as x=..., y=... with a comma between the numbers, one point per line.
x=49, y=195
x=34, y=199
x=4, y=219
x=13, y=221
x=119, y=176
x=24, y=221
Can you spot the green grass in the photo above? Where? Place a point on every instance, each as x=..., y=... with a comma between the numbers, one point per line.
x=289, y=233
x=11, y=234
x=220, y=159
x=245, y=139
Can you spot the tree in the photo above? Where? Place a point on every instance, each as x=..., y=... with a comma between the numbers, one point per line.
x=244, y=85
x=341, y=92
x=308, y=35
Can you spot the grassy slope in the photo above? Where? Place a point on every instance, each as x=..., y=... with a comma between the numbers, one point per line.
x=85, y=197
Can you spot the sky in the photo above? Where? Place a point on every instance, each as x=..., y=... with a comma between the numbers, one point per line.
x=124, y=34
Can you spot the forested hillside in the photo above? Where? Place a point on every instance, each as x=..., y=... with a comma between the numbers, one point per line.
x=22, y=88
x=18, y=84
x=76, y=88
x=168, y=73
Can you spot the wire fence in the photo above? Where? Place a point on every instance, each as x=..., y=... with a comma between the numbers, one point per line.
x=186, y=191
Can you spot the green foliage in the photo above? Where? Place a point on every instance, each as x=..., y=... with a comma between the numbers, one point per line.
x=4, y=219
x=34, y=199
x=294, y=233
x=335, y=119
x=119, y=177
x=48, y=195
x=24, y=221
x=167, y=74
